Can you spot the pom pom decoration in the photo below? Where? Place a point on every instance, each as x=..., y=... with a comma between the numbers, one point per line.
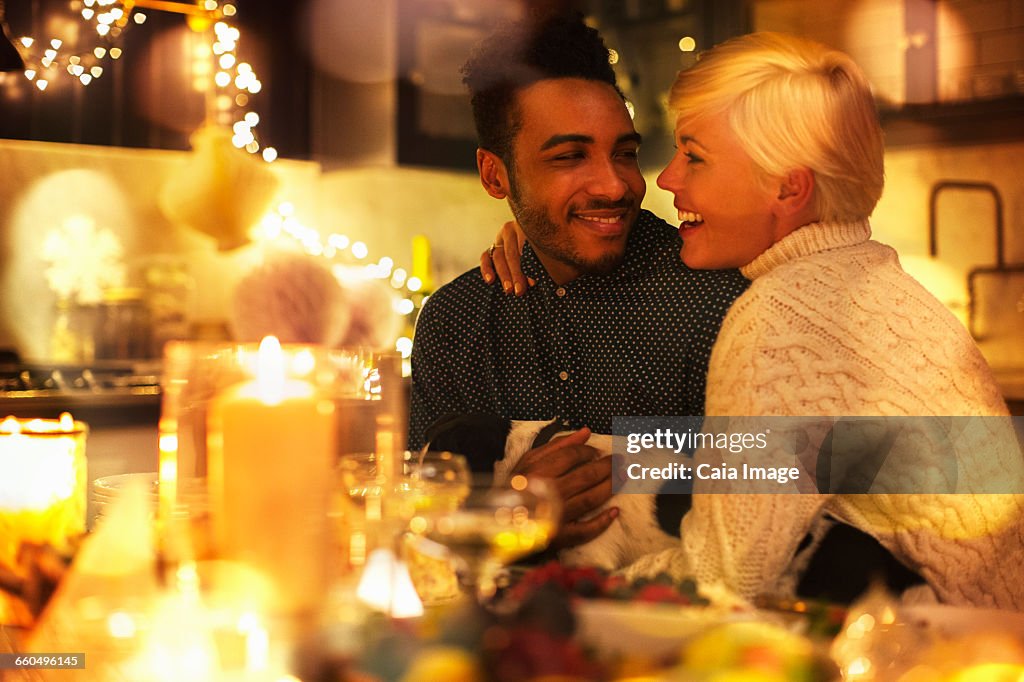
x=299, y=298
x=221, y=191
x=294, y=297
x=374, y=322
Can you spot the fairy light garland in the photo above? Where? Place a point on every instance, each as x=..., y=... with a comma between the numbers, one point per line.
x=216, y=67
x=283, y=223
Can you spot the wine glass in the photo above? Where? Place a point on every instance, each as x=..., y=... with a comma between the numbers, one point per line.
x=379, y=496
x=427, y=481
x=495, y=525
x=365, y=484
x=438, y=482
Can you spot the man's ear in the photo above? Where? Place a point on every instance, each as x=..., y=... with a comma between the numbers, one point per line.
x=796, y=193
x=493, y=175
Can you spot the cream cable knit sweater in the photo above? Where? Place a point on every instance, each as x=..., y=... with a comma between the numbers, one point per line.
x=833, y=326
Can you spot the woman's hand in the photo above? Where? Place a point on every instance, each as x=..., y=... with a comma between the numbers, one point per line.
x=501, y=260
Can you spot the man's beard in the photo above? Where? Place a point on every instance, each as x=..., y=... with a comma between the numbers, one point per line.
x=543, y=234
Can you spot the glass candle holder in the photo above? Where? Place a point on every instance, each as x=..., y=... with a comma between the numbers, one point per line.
x=42, y=483
x=261, y=427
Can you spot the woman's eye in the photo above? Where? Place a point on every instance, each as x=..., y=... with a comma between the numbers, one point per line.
x=693, y=158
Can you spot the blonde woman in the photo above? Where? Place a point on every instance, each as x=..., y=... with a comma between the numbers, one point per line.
x=779, y=164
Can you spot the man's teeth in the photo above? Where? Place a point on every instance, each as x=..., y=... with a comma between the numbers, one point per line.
x=607, y=221
x=690, y=217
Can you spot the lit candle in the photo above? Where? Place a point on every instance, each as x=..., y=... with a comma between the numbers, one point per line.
x=271, y=449
x=42, y=483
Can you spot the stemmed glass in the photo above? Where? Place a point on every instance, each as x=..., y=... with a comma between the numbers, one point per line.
x=391, y=508
x=427, y=481
x=495, y=525
x=438, y=482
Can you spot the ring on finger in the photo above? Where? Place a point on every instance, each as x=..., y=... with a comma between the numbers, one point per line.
x=490, y=251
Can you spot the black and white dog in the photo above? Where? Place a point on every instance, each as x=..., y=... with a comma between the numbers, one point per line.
x=493, y=443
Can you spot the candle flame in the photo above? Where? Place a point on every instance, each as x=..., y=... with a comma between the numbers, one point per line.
x=270, y=371
x=12, y=425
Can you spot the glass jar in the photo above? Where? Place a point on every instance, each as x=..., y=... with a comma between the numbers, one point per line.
x=123, y=326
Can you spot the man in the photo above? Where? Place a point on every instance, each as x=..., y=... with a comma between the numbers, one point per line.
x=616, y=324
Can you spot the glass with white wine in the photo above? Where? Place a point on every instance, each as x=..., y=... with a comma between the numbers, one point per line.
x=384, y=505
x=495, y=525
x=437, y=482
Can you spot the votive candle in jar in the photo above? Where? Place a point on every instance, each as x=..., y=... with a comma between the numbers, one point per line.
x=42, y=483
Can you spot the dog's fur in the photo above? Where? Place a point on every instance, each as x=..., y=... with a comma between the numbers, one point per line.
x=632, y=535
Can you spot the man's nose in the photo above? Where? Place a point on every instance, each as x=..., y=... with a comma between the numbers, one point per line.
x=608, y=180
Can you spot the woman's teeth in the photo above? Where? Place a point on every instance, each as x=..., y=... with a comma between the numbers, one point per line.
x=690, y=217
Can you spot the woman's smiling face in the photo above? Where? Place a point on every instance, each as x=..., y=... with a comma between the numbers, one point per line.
x=725, y=210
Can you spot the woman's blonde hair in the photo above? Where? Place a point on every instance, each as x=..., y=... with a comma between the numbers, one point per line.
x=792, y=102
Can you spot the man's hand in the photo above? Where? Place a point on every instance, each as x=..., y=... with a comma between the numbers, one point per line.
x=583, y=479
x=501, y=260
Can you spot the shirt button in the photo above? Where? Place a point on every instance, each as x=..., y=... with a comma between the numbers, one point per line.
x=560, y=292
x=563, y=376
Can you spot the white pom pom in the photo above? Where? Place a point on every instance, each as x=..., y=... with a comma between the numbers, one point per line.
x=374, y=322
x=294, y=297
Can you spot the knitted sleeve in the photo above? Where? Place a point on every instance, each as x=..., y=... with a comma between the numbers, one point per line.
x=858, y=337
x=747, y=543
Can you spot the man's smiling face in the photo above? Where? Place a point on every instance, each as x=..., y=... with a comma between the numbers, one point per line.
x=575, y=185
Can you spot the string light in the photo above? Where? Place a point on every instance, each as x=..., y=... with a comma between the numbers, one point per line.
x=282, y=223
x=108, y=19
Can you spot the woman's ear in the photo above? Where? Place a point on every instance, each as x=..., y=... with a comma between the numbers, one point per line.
x=796, y=194
x=493, y=175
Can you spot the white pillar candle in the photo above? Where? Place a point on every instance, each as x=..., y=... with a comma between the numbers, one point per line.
x=271, y=452
x=42, y=483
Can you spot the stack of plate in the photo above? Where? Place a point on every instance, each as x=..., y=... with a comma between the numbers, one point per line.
x=192, y=495
x=107, y=489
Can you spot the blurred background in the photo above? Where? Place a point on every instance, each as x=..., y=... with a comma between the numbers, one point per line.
x=118, y=217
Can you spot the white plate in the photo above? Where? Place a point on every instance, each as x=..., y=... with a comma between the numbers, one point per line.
x=657, y=630
x=111, y=486
x=956, y=621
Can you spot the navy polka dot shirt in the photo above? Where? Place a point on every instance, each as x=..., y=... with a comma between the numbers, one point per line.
x=635, y=342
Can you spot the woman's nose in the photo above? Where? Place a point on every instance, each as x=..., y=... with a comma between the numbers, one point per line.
x=669, y=179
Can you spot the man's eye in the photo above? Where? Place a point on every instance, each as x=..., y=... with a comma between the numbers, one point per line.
x=568, y=156
x=630, y=153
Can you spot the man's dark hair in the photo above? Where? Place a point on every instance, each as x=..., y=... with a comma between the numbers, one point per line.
x=517, y=55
